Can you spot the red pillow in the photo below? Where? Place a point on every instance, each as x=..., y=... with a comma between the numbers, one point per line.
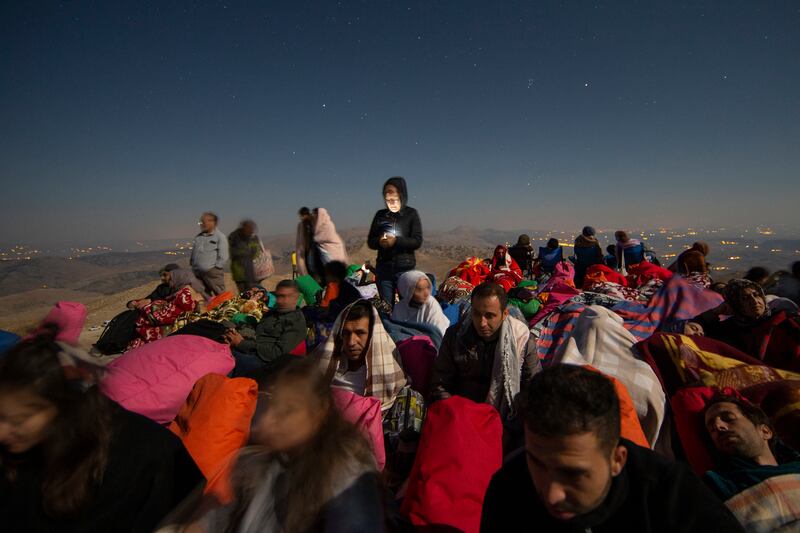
x=688, y=410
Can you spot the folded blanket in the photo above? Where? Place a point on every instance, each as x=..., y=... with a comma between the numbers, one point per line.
x=600, y=340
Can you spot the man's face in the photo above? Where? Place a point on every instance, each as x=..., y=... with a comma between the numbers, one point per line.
x=286, y=299
x=734, y=434
x=166, y=277
x=207, y=223
x=355, y=338
x=248, y=230
x=753, y=304
x=572, y=474
x=487, y=316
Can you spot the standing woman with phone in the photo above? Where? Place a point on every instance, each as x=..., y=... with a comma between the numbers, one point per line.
x=396, y=232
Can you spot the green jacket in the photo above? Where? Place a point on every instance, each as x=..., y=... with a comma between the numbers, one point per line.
x=277, y=334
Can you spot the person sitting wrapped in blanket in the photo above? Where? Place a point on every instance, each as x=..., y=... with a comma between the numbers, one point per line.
x=157, y=316
x=163, y=290
x=753, y=327
x=757, y=476
x=359, y=356
x=417, y=304
x=484, y=357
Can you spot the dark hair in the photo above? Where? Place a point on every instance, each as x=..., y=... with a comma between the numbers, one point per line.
x=621, y=236
x=288, y=284
x=611, y=249
x=212, y=215
x=76, y=452
x=796, y=269
x=588, y=231
x=169, y=268
x=567, y=399
x=310, y=474
x=552, y=243
x=337, y=270
x=756, y=274
x=357, y=311
x=487, y=289
x=750, y=411
x=304, y=211
x=718, y=287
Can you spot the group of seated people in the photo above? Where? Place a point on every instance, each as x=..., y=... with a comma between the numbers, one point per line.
x=575, y=450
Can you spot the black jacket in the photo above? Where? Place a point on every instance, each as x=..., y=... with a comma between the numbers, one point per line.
x=405, y=225
x=652, y=494
x=148, y=473
x=277, y=334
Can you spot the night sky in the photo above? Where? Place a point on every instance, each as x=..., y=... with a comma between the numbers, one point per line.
x=126, y=120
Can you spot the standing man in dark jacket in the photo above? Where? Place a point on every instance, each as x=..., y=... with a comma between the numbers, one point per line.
x=395, y=232
x=576, y=474
x=281, y=331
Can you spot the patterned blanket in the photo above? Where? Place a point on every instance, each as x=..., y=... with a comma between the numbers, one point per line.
x=772, y=505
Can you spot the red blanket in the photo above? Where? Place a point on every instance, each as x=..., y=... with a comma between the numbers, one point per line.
x=601, y=273
x=459, y=452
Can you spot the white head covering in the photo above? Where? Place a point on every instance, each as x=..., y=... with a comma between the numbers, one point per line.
x=429, y=312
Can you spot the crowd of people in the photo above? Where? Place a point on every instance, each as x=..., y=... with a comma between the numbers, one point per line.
x=529, y=391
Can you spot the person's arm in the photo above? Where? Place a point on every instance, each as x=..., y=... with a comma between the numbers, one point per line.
x=269, y=345
x=412, y=241
x=193, y=257
x=375, y=233
x=444, y=372
x=692, y=506
x=222, y=252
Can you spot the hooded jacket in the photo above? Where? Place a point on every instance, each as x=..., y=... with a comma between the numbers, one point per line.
x=405, y=225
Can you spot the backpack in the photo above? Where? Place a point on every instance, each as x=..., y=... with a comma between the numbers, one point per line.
x=119, y=331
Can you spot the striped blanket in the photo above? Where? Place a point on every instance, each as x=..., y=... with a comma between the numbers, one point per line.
x=676, y=300
x=772, y=505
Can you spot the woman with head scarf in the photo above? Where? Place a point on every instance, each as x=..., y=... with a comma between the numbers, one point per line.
x=155, y=317
x=417, y=303
x=396, y=232
x=751, y=326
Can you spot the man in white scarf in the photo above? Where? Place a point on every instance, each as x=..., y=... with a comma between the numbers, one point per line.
x=417, y=304
x=482, y=357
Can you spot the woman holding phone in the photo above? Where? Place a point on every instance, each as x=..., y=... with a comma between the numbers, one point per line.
x=396, y=232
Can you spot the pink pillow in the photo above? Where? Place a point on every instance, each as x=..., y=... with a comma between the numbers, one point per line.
x=364, y=413
x=154, y=380
x=70, y=318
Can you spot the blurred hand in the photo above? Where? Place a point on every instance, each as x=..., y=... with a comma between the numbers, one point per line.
x=391, y=240
x=233, y=337
x=141, y=303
